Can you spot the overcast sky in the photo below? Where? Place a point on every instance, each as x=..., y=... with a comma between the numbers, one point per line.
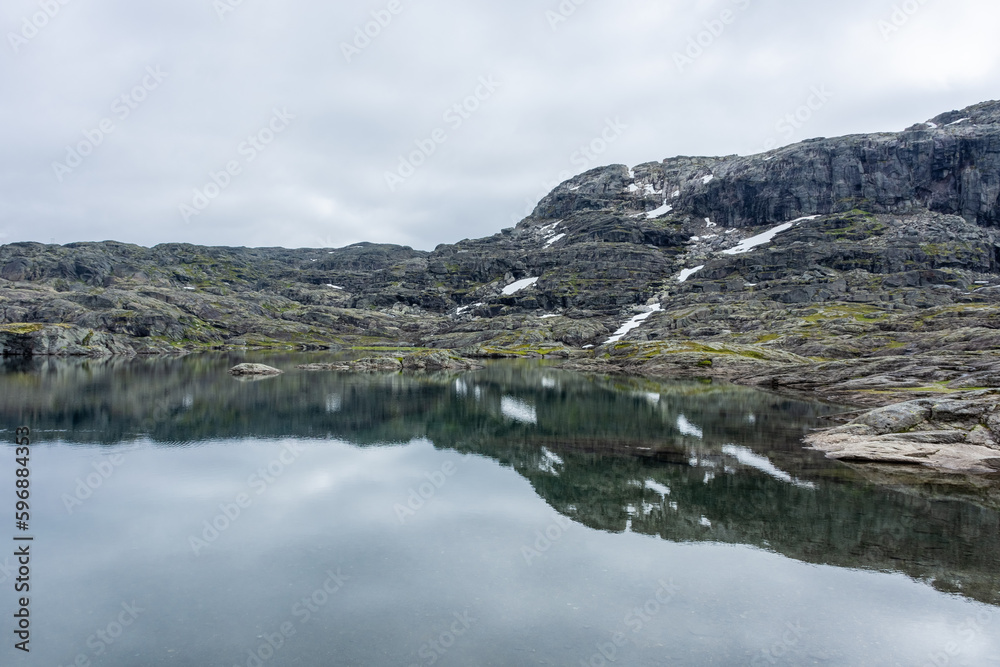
x=311, y=116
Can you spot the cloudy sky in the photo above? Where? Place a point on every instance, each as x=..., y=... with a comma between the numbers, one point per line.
x=314, y=123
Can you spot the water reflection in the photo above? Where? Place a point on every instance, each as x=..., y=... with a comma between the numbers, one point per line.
x=688, y=462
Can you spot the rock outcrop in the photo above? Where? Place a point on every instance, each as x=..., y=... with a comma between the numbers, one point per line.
x=959, y=434
x=436, y=360
x=62, y=340
x=254, y=370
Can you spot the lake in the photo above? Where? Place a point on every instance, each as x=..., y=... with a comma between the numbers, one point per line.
x=518, y=515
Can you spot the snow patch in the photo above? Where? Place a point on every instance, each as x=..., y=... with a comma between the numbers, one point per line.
x=574, y=188
x=746, y=245
x=465, y=308
x=687, y=273
x=518, y=410
x=650, y=397
x=633, y=188
x=549, y=463
x=708, y=221
x=516, y=287
x=931, y=125
x=687, y=428
x=663, y=210
x=633, y=323
x=708, y=179
x=960, y=120
x=762, y=463
x=547, y=317
x=655, y=486
x=334, y=286
x=554, y=239
x=676, y=194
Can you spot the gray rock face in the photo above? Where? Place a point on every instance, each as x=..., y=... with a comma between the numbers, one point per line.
x=30, y=340
x=945, y=166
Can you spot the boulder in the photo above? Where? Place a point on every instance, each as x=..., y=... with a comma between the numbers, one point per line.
x=254, y=370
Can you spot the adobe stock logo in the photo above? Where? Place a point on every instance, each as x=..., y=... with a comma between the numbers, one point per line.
x=455, y=116
x=250, y=149
x=31, y=27
x=122, y=107
x=699, y=43
x=364, y=35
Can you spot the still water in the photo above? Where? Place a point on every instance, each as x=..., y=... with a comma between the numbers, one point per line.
x=519, y=515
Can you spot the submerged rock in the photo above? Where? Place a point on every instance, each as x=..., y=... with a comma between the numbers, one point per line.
x=254, y=370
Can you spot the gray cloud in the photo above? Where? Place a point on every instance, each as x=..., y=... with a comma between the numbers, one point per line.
x=322, y=181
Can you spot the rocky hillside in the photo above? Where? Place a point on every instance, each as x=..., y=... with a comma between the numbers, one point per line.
x=869, y=246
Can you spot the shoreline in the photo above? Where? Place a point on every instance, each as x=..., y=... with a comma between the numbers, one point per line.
x=958, y=432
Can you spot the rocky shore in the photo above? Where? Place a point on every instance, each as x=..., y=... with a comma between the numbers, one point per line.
x=862, y=270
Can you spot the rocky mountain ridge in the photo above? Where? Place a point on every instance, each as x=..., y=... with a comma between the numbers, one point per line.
x=847, y=249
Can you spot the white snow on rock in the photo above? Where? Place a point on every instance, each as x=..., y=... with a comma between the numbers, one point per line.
x=746, y=245
x=931, y=125
x=656, y=487
x=631, y=174
x=762, y=463
x=960, y=120
x=633, y=188
x=547, y=317
x=516, y=287
x=334, y=286
x=709, y=223
x=650, y=190
x=518, y=410
x=703, y=521
x=687, y=428
x=554, y=239
x=650, y=397
x=676, y=194
x=663, y=210
x=191, y=288
x=708, y=179
x=574, y=188
x=633, y=323
x=687, y=273
x=465, y=308
x=549, y=463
